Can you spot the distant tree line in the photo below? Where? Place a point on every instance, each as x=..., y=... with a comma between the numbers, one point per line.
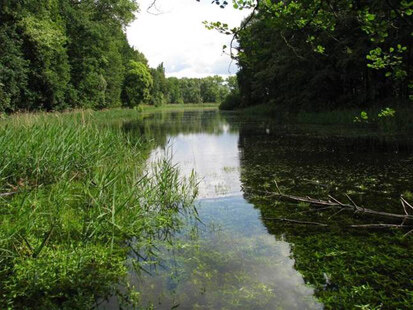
x=190, y=90
x=314, y=54
x=63, y=54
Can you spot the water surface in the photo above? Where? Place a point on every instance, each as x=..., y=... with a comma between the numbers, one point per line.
x=233, y=258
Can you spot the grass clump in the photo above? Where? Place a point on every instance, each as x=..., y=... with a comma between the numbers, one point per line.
x=78, y=198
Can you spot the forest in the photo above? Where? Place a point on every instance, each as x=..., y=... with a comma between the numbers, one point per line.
x=65, y=54
x=296, y=56
x=323, y=55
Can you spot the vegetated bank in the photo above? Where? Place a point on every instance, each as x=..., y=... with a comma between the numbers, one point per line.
x=325, y=62
x=378, y=121
x=76, y=197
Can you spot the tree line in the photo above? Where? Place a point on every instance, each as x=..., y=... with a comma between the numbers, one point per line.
x=211, y=89
x=318, y=55
x=63, y=54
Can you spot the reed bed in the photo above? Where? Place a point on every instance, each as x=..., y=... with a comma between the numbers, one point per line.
x=75, y=190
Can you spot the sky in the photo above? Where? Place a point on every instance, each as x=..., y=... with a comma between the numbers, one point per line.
x=177, y=37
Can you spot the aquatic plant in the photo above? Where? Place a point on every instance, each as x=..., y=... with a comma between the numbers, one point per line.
x=75, y=192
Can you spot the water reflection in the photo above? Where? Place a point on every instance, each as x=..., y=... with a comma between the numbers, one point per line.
x=234, y=259
x=228, y=260
x=215, y=158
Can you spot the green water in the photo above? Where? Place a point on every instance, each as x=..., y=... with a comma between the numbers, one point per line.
x=233, y=258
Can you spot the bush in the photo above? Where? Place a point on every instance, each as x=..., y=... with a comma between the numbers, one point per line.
x=231, y=102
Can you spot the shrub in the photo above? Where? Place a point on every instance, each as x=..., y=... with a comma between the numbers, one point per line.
x=231, y=102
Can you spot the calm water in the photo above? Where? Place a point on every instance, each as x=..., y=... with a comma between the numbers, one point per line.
x=233, y=258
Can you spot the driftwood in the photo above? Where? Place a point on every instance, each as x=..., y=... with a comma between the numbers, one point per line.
x=352, y=206
x=294, y=221
x=334, y=203
x=327, y=225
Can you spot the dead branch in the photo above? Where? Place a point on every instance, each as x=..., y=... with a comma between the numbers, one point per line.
x=380, y=225
x=405, y=202
x=337, y=204
x=408, y=233
x=294, y=221
x=153, y=6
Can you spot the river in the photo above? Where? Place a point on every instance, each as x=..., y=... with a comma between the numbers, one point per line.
x=234, y=257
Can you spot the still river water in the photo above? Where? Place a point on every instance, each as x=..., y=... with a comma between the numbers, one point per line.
x=233, y=258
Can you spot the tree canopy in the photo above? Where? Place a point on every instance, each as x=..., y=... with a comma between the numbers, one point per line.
x=59, y=54
x=323, y=54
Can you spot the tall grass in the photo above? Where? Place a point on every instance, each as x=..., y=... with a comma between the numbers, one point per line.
x=74, y=192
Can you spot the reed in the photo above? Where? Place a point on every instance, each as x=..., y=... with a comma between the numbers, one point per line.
x=75, y=190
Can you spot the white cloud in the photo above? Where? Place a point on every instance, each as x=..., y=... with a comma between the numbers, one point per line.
x=178, y=38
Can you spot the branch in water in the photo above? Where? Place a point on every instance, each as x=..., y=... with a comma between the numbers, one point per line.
x=333, y=202
x=327, y=225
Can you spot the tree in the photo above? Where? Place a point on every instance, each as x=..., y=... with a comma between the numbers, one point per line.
x=159, y=91
x=174, y=90
x=213, y=89
x=59, y=54
x=317, y=54
x=13, y=70
x=137, y=85
x=190, y=90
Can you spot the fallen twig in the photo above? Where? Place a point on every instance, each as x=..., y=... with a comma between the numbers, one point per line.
x=406, y=203
x=294, y=221
x=408, y=233
x=338, y=204
x=379, y=225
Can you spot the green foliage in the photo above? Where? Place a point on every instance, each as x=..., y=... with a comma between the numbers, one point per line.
x=174, y=90
x=80, y=199
x=213, y=89
x=158, y=100
x=385, y=119
x=13, y=70
x=137, y=85
x=190, y=90
x=315, y=55
x=231, y=102
x=387, y=112
x=159, y=91
x=64, y=54
x=363, y=117
x=48, y=55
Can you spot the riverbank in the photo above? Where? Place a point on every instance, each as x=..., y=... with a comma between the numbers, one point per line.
x=73, y=192
x=180, y=107
x=385, y=121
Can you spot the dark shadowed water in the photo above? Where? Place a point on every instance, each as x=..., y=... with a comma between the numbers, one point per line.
x=233, y=258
